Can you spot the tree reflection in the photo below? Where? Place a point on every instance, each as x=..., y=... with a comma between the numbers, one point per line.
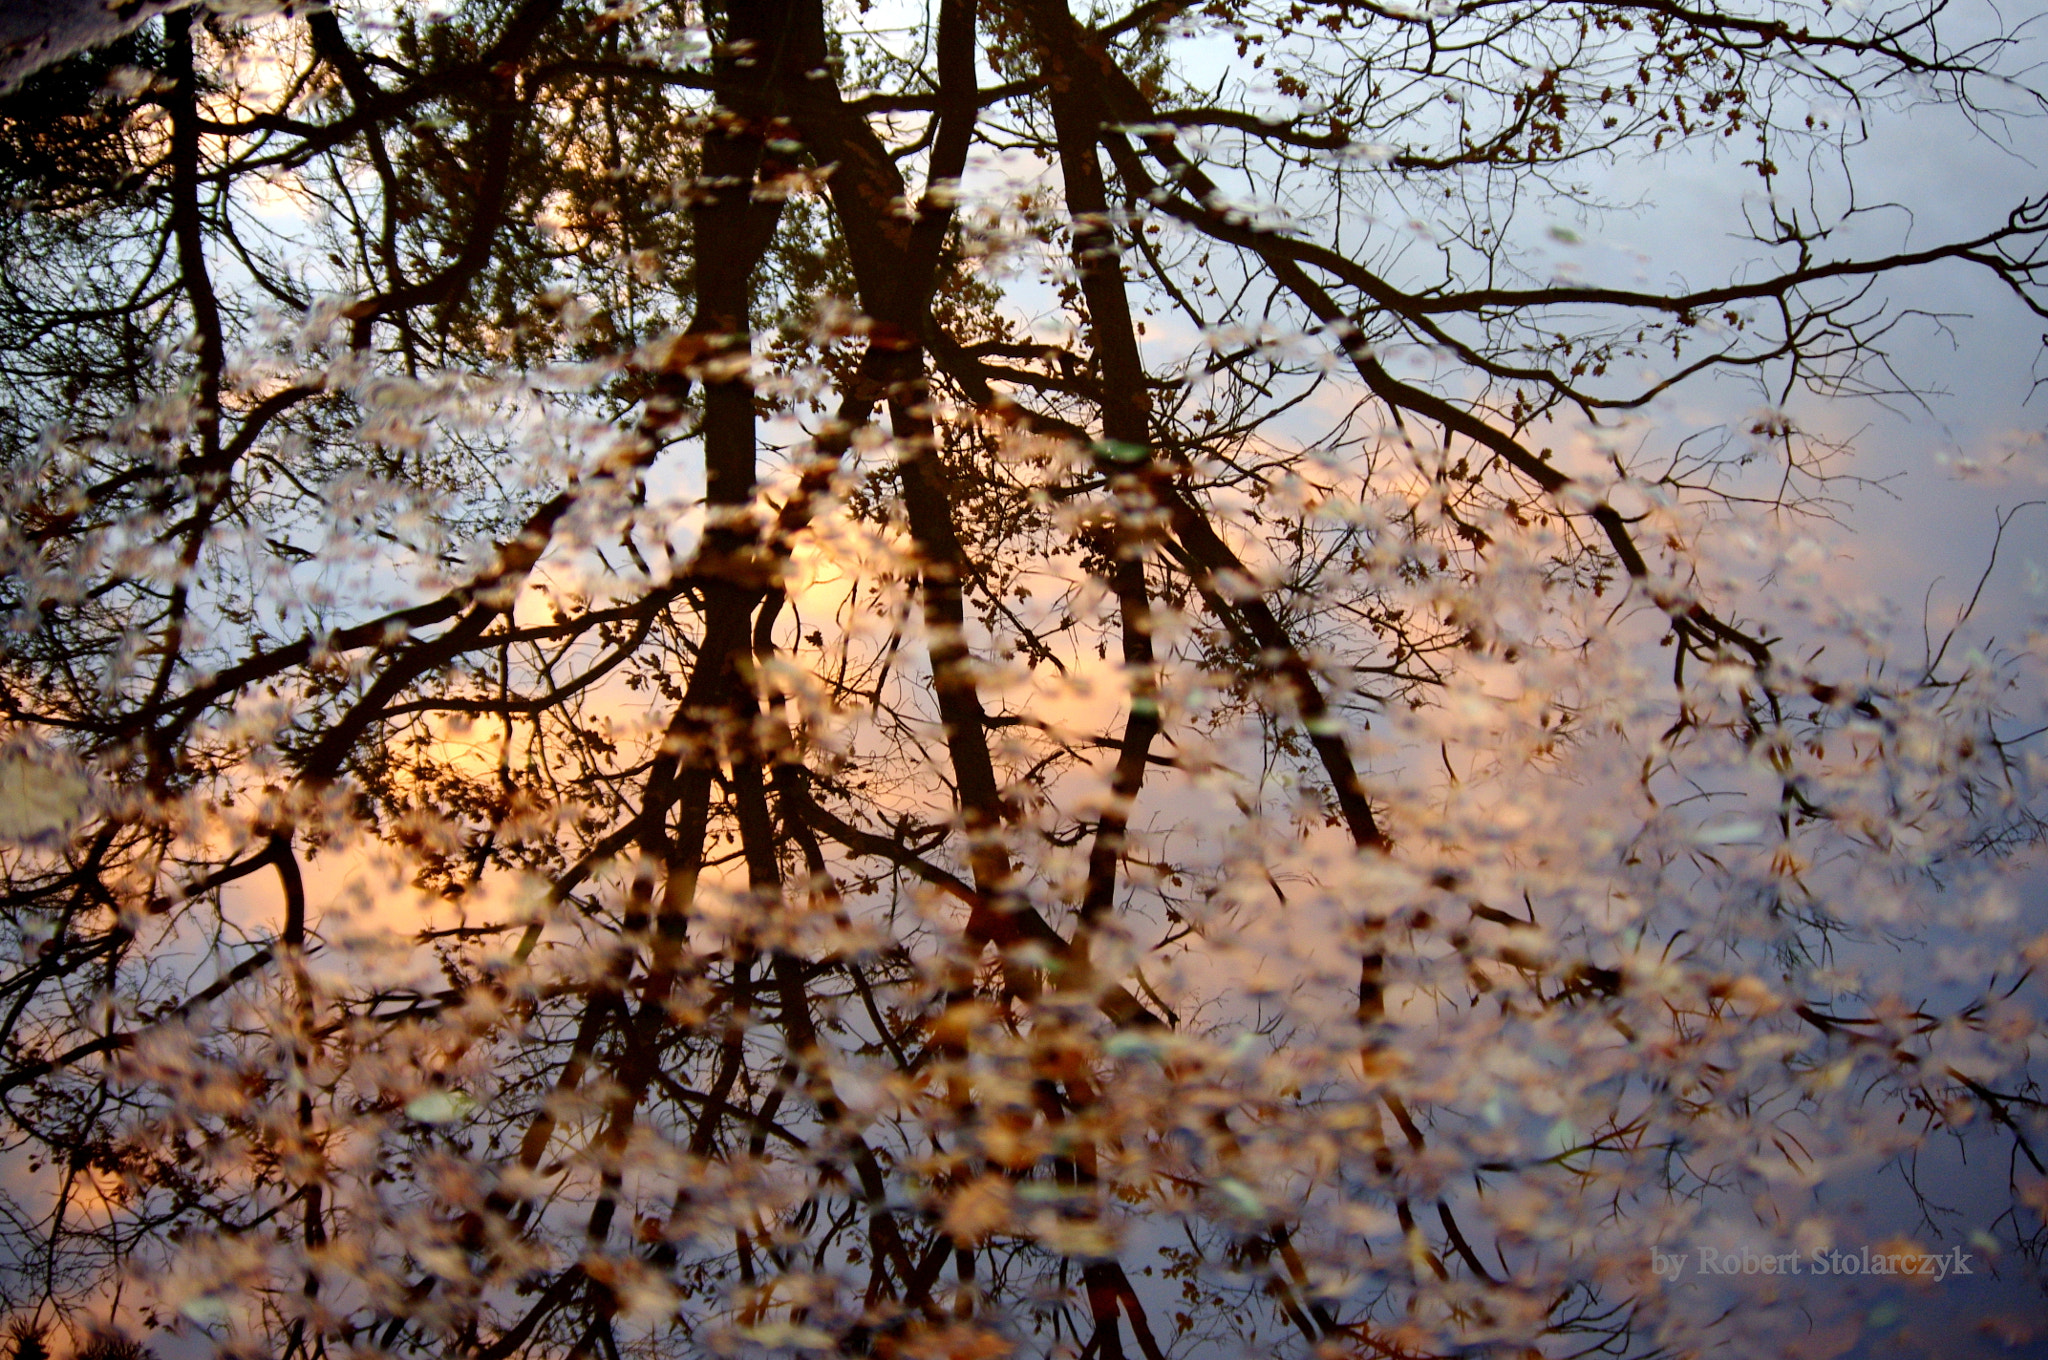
x=836, y=678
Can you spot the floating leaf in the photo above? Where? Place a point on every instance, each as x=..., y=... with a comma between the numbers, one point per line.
x=39, y=797
x=440, y=1107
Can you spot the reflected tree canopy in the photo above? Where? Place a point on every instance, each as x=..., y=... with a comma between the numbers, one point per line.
x=971, y=679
